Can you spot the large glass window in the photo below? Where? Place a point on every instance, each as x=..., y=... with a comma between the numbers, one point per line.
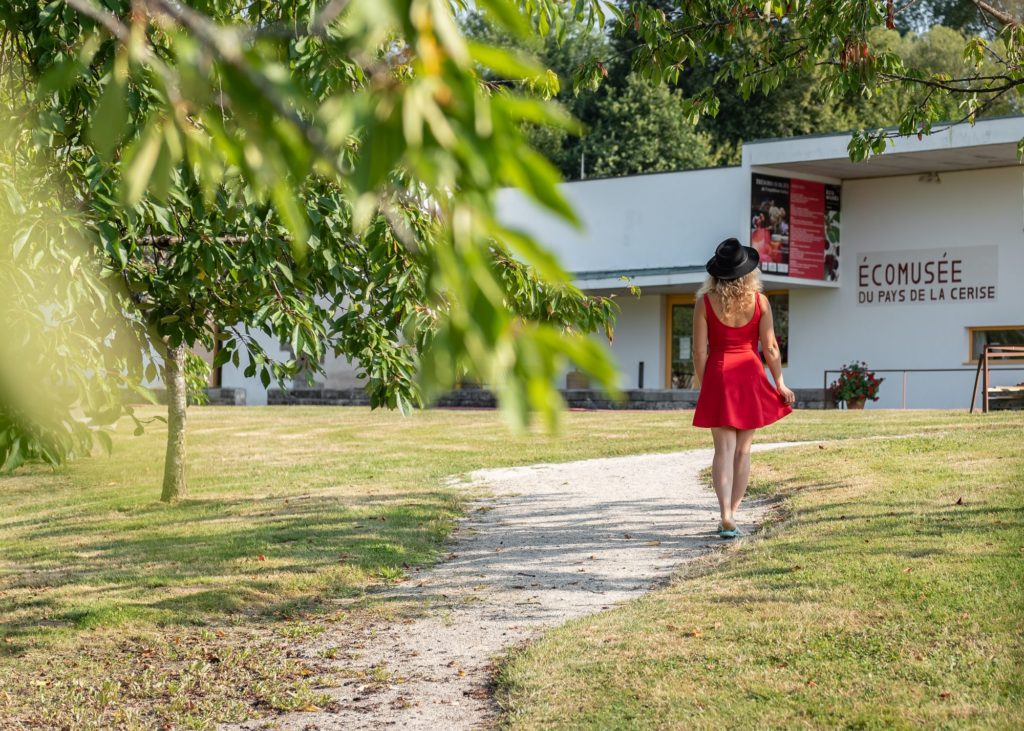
x=999, y=335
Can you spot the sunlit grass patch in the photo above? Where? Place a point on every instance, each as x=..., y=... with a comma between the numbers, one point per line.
x=290, y=511
x=891, y=597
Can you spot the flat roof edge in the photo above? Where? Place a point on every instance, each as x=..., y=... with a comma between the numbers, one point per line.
x=947, y=123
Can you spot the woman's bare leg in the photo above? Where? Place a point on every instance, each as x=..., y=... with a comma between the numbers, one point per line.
x=722, y=470
x=740, y=467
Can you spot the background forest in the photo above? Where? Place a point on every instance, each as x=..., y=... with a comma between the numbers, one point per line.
x=633, y=125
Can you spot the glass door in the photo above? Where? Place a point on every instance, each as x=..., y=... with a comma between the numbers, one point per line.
x=679, y=348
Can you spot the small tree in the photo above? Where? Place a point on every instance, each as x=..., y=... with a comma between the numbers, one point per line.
x=319, y=174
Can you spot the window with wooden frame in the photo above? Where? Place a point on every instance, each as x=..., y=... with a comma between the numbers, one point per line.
x=981, y=335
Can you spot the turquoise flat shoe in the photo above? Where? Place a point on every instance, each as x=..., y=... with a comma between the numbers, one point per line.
x=727, y=532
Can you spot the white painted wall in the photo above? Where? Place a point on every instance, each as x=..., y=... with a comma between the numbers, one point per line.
x=639, y=336
x=341, y=373
x=639, y=222
x=829, y=328
x=234, y=377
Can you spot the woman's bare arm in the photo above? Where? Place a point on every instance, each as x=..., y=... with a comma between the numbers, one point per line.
x=700, y=342
x=770, y=348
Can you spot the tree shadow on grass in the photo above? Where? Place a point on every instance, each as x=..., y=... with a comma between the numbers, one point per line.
x=867, y=531
x=785, y=486
x=198, y=560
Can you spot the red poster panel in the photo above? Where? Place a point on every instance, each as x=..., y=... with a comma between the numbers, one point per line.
x=807, y=229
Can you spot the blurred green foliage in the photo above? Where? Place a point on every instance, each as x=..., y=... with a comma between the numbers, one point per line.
x=321, y=176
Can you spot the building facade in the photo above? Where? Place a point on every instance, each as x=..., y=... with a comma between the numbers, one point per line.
x=910, y=262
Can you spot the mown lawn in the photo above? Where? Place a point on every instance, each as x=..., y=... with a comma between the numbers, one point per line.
x=888, y=594
x=117, y=610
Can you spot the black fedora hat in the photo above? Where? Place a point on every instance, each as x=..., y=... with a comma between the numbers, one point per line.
x=732, y=260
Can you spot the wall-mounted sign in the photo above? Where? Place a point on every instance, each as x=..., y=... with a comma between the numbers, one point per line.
x=958, y=274
x=794, y=225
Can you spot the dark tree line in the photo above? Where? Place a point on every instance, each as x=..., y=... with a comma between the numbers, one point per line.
x=633, y=125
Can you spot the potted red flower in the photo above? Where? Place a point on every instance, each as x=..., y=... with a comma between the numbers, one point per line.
x=855, y=385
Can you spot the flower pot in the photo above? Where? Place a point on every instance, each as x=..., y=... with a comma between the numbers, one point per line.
x=855, y=403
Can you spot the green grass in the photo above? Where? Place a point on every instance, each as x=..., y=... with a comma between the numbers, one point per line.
x=887, y=593
x=290, y=510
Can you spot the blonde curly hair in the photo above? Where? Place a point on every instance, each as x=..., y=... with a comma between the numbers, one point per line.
x=732, y=292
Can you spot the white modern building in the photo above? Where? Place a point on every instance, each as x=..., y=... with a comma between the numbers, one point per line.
x=911, y=261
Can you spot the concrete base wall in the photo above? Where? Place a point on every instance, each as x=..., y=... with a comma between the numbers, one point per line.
x=226, y=396
x=645, y=400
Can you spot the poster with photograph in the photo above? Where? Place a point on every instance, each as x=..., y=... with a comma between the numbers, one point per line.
x=831, y=233
x=794, y=225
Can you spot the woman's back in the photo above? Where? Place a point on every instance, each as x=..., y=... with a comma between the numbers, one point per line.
x=737, y=334
x=739, y=317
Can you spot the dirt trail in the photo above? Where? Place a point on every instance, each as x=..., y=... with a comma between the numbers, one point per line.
x=553, y=542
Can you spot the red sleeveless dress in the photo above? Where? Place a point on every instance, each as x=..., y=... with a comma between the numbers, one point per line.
x=735, y=390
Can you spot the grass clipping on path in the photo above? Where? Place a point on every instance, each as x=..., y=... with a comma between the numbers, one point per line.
x=891, y=597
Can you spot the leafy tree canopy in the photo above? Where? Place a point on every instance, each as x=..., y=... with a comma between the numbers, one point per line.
x=594, y=69
x=641, y=128
x=755, y=47
x=322, y=175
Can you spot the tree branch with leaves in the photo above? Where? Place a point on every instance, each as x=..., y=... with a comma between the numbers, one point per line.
x=317, y=176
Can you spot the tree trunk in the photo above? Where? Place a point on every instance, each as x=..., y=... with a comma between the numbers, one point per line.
x=174, y=463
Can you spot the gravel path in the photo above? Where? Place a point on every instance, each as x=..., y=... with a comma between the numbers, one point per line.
x=551, y=543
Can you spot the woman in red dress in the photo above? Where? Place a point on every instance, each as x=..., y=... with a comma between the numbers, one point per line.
x=730, y=317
